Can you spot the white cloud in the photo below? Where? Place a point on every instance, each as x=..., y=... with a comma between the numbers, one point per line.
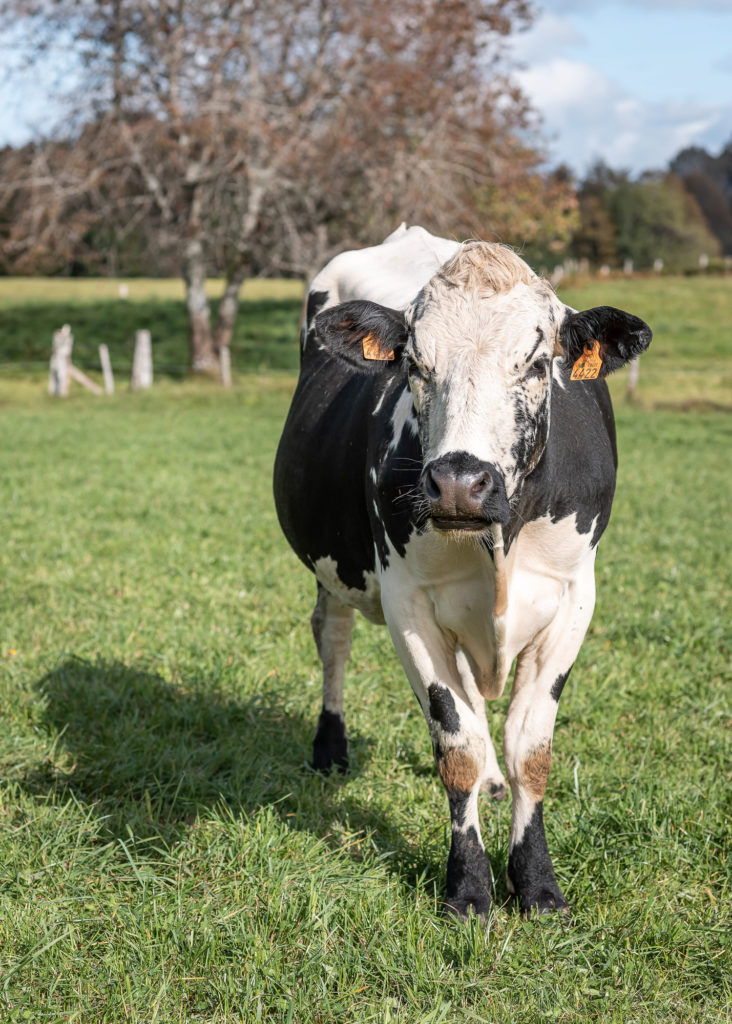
x=549, y=34
x=591, y=107
x=561, y=88
x=575, y=6
x=587, y=115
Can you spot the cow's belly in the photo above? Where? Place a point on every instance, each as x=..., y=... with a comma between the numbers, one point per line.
x=366, y=600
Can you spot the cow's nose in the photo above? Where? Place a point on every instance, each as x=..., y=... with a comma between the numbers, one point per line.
x=463, y=490
x=446, y=487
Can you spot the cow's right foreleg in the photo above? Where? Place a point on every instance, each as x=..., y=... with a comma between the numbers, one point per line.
x=458, y=741
x=493, y=781
x=332, y=622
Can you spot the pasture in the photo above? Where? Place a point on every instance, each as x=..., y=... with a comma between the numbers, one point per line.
x=166, y=854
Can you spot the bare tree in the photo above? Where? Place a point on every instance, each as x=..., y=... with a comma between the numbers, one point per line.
x=267, y=133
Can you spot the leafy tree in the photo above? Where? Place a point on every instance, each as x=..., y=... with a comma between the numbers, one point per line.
x=265, y=134
x=709, y=180
x=656, y=218
x=641, y=220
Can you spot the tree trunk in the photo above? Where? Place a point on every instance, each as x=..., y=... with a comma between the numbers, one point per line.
x=228, y=308
x=203, y=350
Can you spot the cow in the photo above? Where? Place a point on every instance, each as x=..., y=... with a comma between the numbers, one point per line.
x=447, y=467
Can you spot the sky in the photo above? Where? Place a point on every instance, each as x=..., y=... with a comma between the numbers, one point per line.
x=628, y=81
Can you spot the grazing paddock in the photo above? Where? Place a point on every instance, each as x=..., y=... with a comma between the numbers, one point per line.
x=165, y=852
x=31, y=309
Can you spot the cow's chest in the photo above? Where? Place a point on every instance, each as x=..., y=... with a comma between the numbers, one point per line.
x=452, y=584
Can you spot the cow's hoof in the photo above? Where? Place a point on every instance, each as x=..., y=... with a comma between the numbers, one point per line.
x=546, y=901
x=330, y=746
x=495, y=788
x=461, y=908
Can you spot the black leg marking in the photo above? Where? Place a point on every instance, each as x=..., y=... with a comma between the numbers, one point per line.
x=469, y=878
x=330, y=746
x=442, y=708
x=558, y=685
x=530, y=870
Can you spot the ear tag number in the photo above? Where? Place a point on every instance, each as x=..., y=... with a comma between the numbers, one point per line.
x=589, y=364
x=372, y=349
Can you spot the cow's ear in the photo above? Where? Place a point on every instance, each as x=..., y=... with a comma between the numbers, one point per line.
x=364, y=334
x=620, y=336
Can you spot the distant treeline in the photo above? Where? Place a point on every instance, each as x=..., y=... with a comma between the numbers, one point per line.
x=675, y=220
x=681, y=218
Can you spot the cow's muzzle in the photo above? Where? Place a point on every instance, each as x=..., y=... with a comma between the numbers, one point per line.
x=464, y=493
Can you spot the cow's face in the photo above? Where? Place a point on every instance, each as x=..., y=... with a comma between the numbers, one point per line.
x=479, y=364
x=478, y=344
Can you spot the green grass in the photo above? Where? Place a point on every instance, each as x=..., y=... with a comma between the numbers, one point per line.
x=167, y=855
x=31, y=309
x=689, y=363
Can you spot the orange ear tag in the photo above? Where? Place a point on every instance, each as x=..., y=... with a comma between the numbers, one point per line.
x=589, y=364
x=372, y=349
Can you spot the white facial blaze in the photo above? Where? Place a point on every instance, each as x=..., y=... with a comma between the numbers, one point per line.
x=481, y=369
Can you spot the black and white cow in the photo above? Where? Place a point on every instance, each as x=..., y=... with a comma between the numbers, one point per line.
x=441, y=472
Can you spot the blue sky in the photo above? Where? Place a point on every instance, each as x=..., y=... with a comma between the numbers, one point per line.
x=631, y=81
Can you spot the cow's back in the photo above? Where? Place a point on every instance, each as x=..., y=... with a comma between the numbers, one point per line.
x=391, y=273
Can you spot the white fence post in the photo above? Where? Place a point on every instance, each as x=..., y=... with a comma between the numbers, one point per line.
x=633, y=374
x=106, y=369
x=60, y=366
x=81, y=378
x=225, y=360
x=142, y=364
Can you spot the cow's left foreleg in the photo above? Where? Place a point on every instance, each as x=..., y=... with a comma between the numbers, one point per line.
x=528, y=751
x=541, y=671
x=332, y=622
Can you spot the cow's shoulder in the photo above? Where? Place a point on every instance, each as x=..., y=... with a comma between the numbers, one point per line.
x=395, y=465
x=320, y=468
x=575, y=476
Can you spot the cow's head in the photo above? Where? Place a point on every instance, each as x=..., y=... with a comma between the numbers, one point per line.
x=478, y=344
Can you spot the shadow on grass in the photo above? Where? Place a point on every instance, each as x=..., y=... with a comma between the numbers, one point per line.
x=143, y=749
x=147, y=756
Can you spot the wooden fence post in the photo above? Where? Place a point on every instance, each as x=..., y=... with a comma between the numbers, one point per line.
x=60, y=366
x=106, y=369
x=633, y=374
x=81, y=378
x=225, y=360
x=142, y=365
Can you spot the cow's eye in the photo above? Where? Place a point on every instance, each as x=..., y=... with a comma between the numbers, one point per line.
x=537, y=369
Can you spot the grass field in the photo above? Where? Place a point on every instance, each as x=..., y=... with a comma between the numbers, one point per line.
x=689, y=366
x=165, y=852
x=32, y=309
